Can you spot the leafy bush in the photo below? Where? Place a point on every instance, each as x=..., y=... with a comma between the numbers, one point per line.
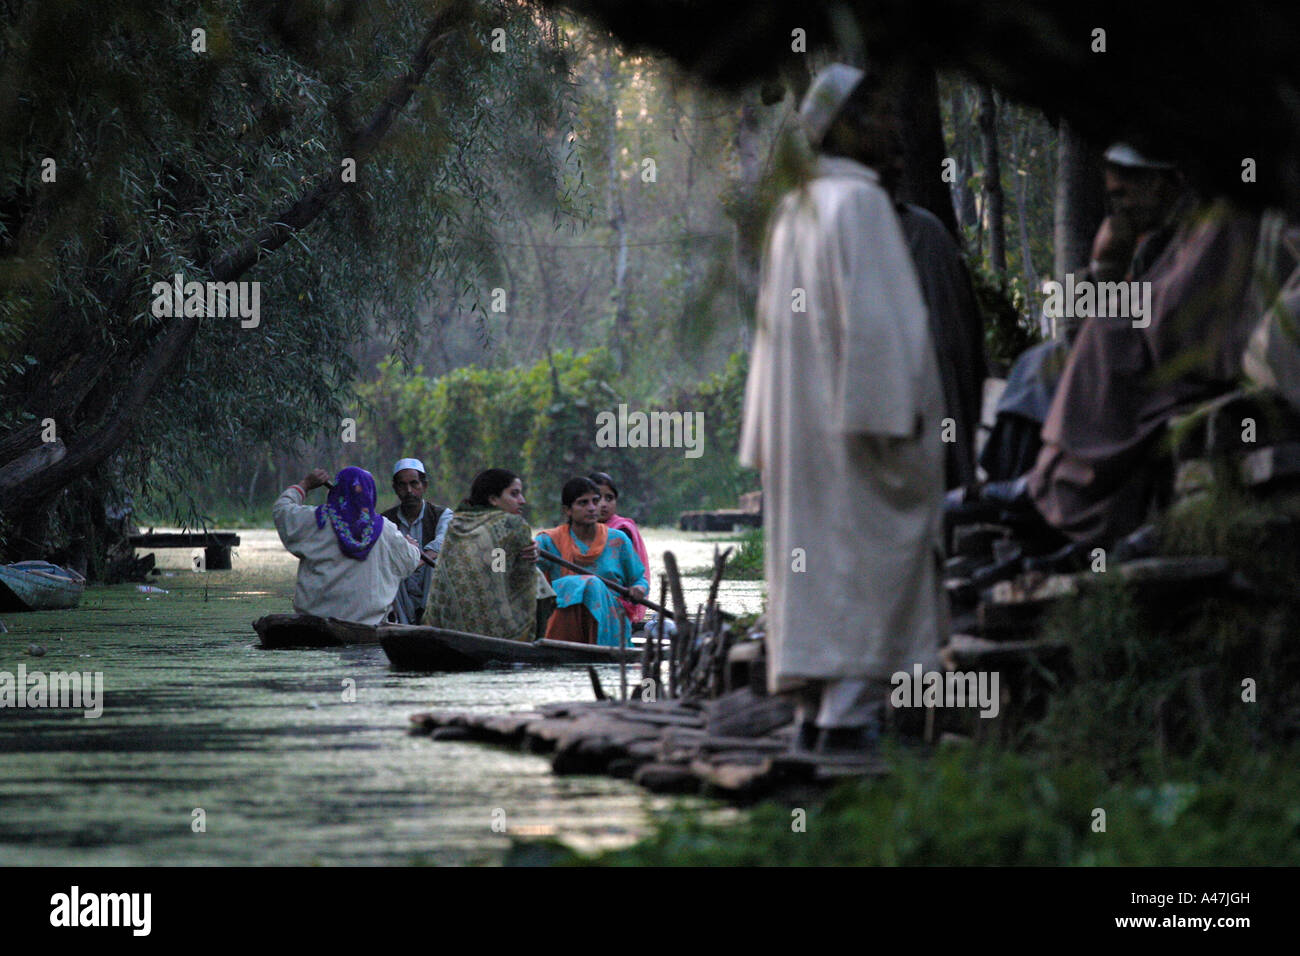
x=746, y=562
x=540, y=421
x=1007, y=332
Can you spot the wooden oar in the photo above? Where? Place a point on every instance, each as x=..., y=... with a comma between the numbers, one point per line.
x=616, y=588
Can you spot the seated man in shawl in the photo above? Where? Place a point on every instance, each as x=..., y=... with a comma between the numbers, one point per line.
x=588, y=612
x=423, y=522
x=1102, y=469
x=1014, y=443
x=1147, y=197
x=487, y=581
x=350, y=560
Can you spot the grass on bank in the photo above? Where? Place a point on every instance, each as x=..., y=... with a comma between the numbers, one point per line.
x=221, y=516
x=983, y=807
x=745, y=562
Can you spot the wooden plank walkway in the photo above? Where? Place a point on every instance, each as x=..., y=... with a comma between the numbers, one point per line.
x=663, y=746
x=737, y=746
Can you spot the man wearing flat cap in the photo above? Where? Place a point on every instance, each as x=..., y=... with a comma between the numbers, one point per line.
x=1147, y=198
x=843, y=415
x=423, y=522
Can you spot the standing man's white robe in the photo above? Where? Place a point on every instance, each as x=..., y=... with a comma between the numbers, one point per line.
x=330, y=584
x=843, y=414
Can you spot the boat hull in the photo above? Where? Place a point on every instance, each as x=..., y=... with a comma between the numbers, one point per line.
x=434, y=649
x=25, y=587
x=429, y=649
x=286, y=631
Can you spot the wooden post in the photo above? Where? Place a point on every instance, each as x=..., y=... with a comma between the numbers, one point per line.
x=595, y=683
x=711, y=608
x=691, y=652
x=659, y=642
x=622, y=667
x=682, y=616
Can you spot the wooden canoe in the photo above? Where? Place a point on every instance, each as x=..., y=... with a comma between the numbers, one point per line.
x=39, y=586
x=280, y=631
x=416, y=648
x=433, y=649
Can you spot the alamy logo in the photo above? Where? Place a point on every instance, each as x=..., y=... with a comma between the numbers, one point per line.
x=947, y=689
x=75, y=908
x=179, y=298
x=651, y=430
x=57, y=690
x=1086, y=299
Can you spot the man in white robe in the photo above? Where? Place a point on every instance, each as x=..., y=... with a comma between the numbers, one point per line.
x=843, y=415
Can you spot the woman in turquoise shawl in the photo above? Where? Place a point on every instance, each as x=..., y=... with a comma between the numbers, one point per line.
x=586, y=611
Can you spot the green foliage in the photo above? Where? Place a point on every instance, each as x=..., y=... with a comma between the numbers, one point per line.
x=643, y=268
x=541, y=421
x=715, y=479
x=746, y=562
x=1007, y=332
x=167, y=156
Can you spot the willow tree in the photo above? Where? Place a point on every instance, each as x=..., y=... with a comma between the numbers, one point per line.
x=334, y=153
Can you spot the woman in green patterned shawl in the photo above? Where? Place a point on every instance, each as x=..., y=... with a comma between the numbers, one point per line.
x=487, y=581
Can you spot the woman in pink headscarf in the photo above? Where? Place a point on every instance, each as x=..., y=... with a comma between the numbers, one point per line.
x=608, y=515
x=350, y=560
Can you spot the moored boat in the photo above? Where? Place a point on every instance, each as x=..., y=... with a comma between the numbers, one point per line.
x=433, y=649
x=39, y=586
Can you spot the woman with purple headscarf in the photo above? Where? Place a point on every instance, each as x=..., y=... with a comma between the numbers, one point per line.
x=350, y=560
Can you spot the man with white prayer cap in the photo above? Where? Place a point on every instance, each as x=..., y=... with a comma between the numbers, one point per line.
x=844, y=416
x=425, y=523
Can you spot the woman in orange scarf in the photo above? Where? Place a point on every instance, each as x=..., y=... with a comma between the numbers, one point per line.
x=586, y=610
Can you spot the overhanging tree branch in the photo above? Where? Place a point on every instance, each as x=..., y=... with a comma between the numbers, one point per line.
x=232, y=263
x=88, y=451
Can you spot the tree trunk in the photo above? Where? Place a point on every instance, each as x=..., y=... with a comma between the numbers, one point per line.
x=749, y=231
x=622, y=332
x=915, y=90
x=258, y=462
x=964, y=147
x=1022, y=215
x=1080, y=201
x=993, y=201
x=689, y=304
x=967, y=214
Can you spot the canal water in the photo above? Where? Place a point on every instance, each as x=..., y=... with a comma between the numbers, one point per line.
x=210, y=750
